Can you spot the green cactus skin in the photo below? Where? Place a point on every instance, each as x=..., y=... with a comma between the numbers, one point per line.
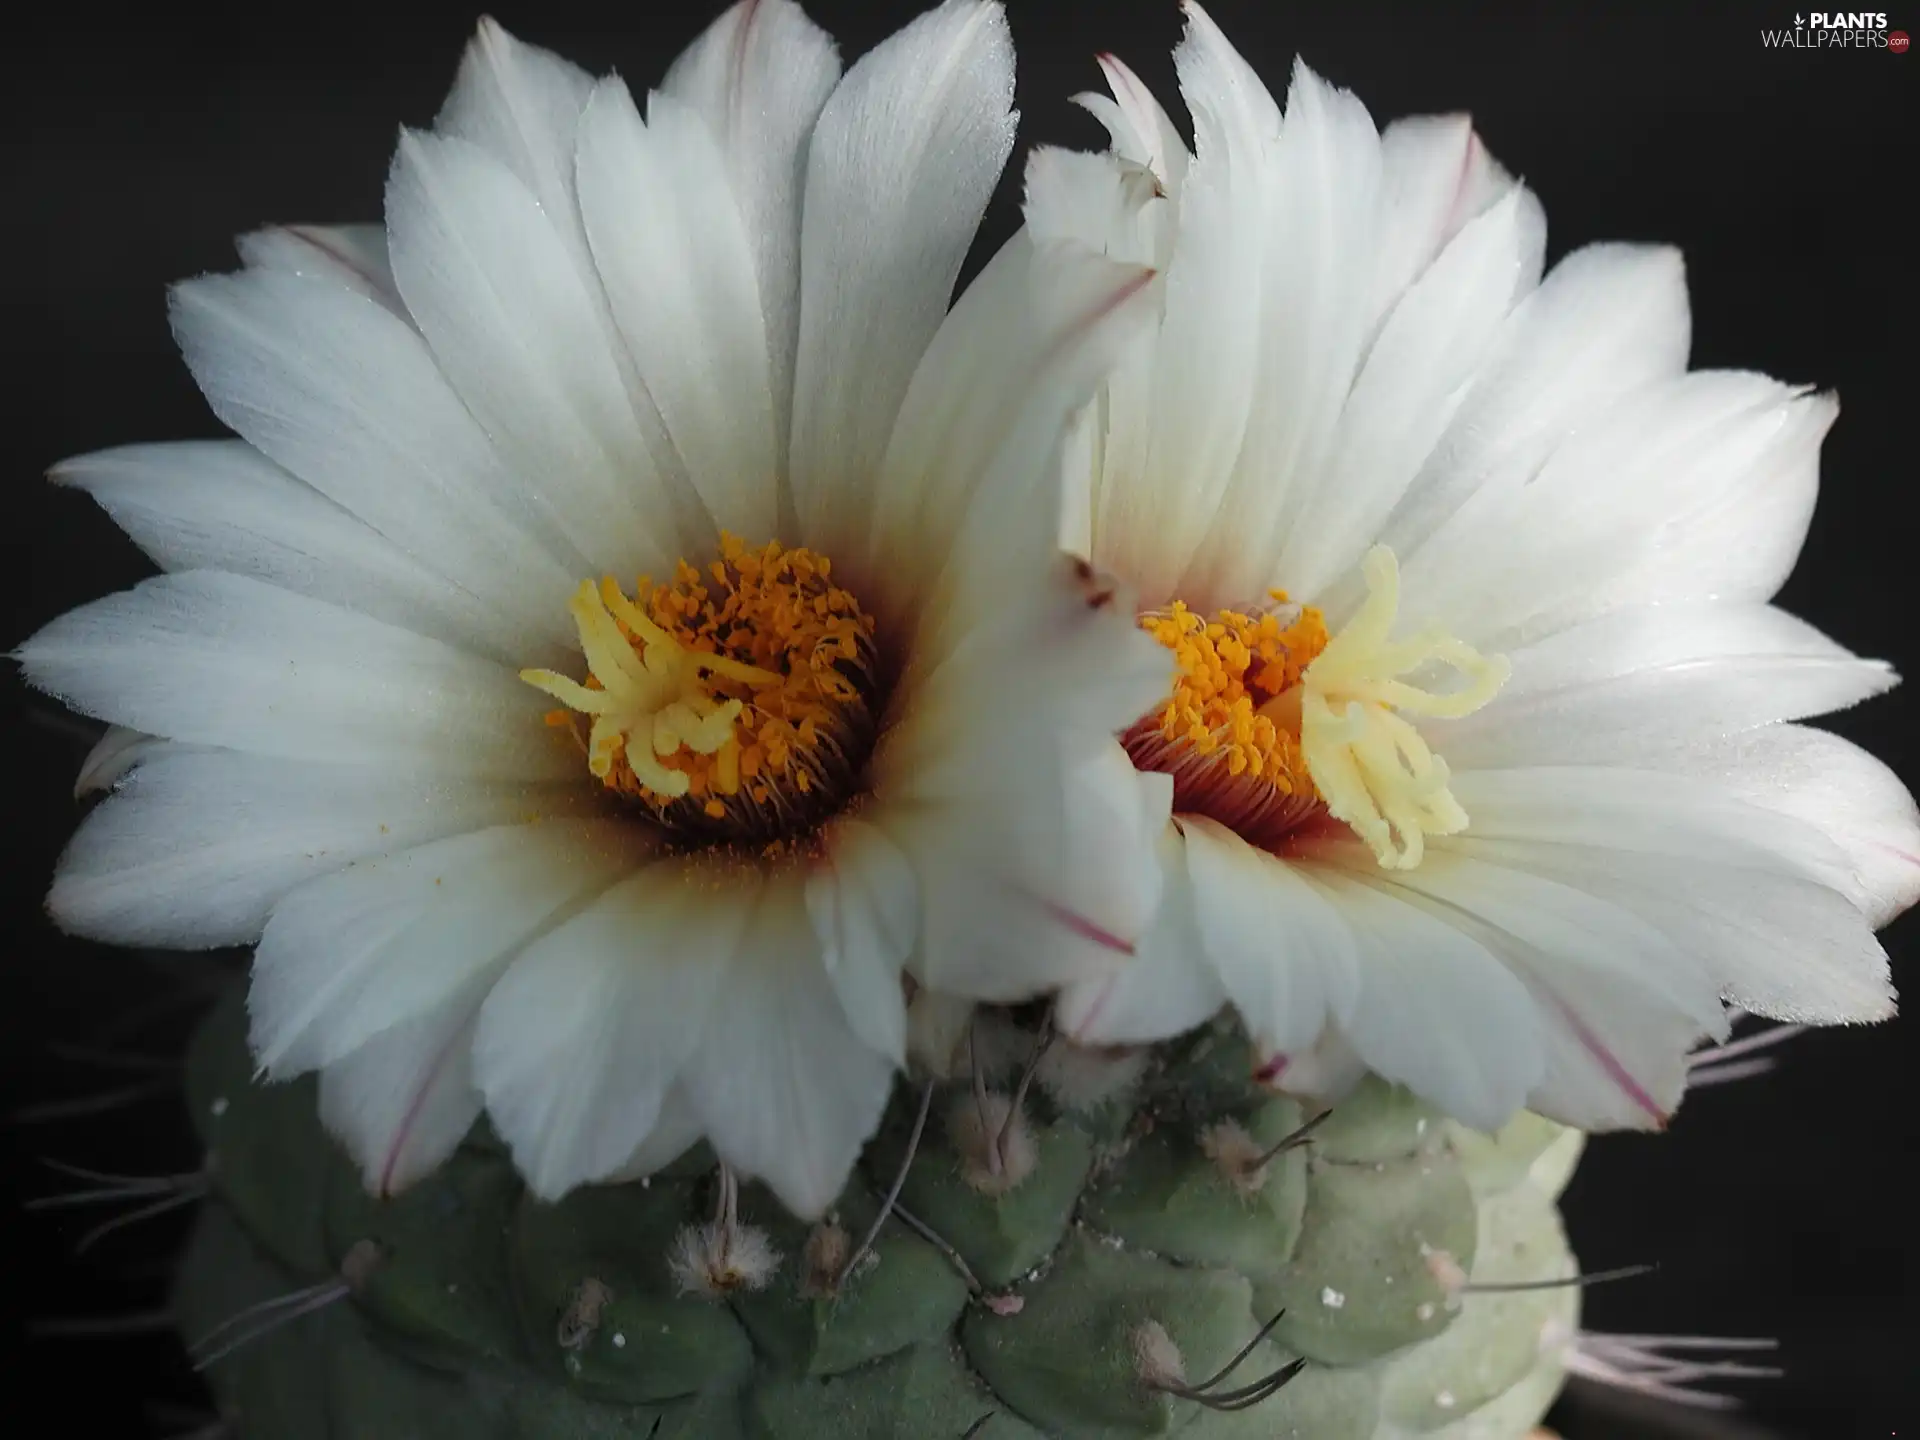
x=475, y=1311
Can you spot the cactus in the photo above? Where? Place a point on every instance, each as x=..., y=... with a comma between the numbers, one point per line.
x=1080, y=1247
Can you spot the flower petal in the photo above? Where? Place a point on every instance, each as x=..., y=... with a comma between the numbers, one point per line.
x=1607, y=321
x=1314, y=298
x=351, y=255
x=521, y=104
x=222, y=505
x=1433, y=343
x=1831, y=784
x=217, y=659
x=582, y=1037
x=1727, y=881
x=1437, y=1011
x=1624, y=1001
x=387, y=940
x=403, y=1102
x=194, y=848
x=783, y=1088
x=348, y=398
x=899, y=171
x=519, y=331
x=1435, y=177
x=674, y=255
x=1640, y=679
x=758, y=76
x=863, y=901
x=1165, y=988
x=1284, y=953
x=1696, y=489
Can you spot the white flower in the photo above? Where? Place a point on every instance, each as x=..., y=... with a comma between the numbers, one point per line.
x=673, y=901
x=1499, y=798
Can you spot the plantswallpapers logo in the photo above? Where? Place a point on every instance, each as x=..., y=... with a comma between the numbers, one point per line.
x=1837, y=30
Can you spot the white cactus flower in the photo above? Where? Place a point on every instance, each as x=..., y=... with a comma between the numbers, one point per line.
x=1483, y=744
x=627, y=862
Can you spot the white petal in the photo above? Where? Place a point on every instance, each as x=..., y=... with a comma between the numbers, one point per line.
x=758, y=76
x=1437, y=1011
x=1165, y=988
x=1589, y=962
x=1607, y=321
x=1429, y=350
x=387, y=940
x=1032, y=833
x=216, y=659
x=902, y=162
x=196, y=847
x=402, y=1103
x=1095, y=201
x=1205, y=357
x=1727, y=881
x=222, y=505
x=113, y=755
x=521, y=104
x=351, y=255
x=784, y=1089
x=675, y=1132
x=1698, y=489
x=517, y=329
x=1314, y=313
x=674, y=255
x=863, y=901
x=1435, y=177
x=970, y=486
x=1283, y=951
x=1826, y=782
x=1142, y=130
x=348, y=398
x=580, y=1040
x=1642, y=678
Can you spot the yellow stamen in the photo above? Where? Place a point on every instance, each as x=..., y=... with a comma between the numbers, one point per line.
x=1370, y=765
x=1230, y=667
x=758, y=669
x=1271, y=719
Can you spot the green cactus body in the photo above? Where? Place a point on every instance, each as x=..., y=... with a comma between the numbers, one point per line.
x=1144, y=1241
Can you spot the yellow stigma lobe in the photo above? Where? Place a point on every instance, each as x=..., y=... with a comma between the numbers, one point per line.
x=1371, y=767
x=733, y=700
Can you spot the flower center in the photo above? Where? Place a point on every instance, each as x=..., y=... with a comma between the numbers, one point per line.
x=736, y=702
x=1272, y=721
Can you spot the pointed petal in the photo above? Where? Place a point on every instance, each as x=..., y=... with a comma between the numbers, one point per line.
x=899, y=171
x=215, y=659
x=351, y=255
x=403, y=1102
x=1437, y=1011
x=521, y=104
x=580, y=1040
x=348, y=398
x=1836, y=787
x=783, y=1087
x=674, y=254
x=759, y=76
x=1640, y=679
x=863, y=901
x=516, y=327
x=222, y=505
x=194, y=848
x=1165, y=988
x=1284, y=953
x=391, y=939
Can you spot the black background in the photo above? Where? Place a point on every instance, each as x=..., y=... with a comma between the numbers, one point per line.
x=1779, y=1206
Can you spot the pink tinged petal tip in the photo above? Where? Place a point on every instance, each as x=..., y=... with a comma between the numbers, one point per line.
x=1611, y=1065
